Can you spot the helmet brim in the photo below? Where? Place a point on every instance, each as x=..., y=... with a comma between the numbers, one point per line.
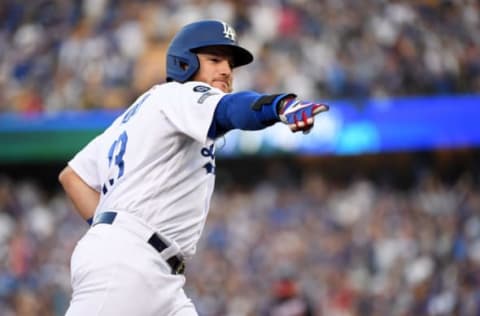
x=240, y=56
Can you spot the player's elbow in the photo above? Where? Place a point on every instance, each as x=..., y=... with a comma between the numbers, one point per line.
x=65, y=175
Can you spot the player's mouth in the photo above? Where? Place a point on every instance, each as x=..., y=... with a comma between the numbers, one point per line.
x=222, y=85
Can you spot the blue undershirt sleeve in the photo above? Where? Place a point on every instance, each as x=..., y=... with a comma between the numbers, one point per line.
x=240, y=111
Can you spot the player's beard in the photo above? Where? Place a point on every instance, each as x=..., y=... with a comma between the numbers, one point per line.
x=222, y=84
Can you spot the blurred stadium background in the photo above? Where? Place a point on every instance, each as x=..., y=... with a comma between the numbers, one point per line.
x=376, y=212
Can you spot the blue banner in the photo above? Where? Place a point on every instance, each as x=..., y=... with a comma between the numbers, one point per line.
x=379, y=125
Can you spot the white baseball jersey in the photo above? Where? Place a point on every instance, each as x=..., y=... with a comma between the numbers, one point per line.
x=156, y=161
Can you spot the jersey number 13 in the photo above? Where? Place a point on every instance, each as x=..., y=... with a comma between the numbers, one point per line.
x=115, y=161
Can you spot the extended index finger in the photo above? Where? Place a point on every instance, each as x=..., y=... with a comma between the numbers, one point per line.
x=320, y=108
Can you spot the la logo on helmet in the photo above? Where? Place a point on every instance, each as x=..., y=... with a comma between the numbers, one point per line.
x=229, y=32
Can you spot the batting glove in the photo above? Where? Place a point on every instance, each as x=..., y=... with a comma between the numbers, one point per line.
x=299, y=115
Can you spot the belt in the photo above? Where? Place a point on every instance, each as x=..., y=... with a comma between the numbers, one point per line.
x=176, y=263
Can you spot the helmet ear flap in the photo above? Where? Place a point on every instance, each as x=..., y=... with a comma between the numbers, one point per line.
x=182, y=67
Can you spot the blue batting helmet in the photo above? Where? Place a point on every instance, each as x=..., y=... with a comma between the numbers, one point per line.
x=182, y=62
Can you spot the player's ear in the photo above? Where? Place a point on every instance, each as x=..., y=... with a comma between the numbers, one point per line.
x=183, y=65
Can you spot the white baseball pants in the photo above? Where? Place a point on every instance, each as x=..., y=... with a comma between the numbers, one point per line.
x=114, y=271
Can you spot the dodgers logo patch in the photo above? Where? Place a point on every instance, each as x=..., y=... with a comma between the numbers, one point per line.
x=201, y=88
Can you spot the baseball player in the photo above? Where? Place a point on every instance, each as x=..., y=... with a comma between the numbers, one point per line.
x=145, y=183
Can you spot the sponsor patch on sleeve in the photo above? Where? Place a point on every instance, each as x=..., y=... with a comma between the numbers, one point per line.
x=205, y=96
x=201, y=89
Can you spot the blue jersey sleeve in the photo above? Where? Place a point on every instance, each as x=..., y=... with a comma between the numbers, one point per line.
x=246, y=110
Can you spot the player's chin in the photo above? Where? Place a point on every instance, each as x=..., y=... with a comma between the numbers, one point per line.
x=225, y=87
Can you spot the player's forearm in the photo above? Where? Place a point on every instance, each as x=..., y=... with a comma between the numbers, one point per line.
x=84, y=198
x=246, y=110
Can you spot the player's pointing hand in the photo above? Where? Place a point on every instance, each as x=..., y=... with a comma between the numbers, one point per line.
x=300, y=115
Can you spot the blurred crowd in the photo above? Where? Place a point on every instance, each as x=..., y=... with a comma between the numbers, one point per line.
x=329, y=247
x=84, y=54
x=286, y=243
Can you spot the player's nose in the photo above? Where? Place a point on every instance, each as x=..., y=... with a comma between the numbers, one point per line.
x=225, y=68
